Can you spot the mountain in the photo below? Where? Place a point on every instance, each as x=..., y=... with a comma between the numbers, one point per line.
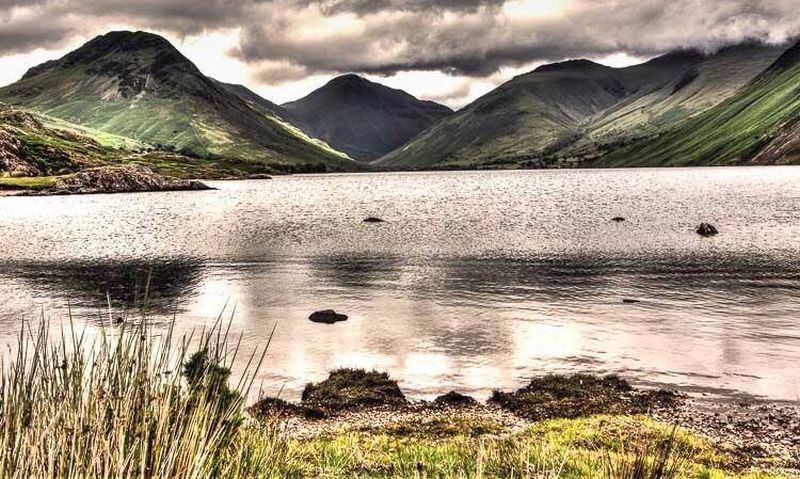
x=569, y=113
x=760, y=124
x=137, y=85
x=362, y=118
x=533, y=113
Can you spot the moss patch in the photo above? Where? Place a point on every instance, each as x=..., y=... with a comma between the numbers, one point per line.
x=555, y=396
x=347, y=389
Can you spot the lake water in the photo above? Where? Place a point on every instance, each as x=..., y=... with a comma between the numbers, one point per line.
x=478, y=280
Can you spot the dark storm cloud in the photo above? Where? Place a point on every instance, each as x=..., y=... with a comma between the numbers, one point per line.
x=284, y=39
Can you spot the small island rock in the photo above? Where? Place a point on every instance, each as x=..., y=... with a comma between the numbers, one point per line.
x=618, y=219
x=327, y=316
x=706, y=230
x=373, y=219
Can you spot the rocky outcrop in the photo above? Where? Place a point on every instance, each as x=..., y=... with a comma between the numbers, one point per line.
x=118, y=179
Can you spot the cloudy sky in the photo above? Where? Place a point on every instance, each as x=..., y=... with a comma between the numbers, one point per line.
x=446, y=50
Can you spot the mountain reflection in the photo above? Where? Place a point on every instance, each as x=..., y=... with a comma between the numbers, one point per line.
x=162, y=285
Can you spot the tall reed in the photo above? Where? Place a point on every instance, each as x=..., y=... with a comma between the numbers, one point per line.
x=131, y=401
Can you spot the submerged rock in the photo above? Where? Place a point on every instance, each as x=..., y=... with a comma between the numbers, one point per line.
x=118, y=179
x=706, y=230
x=454, y=399
x=372, y=219
x=327, y=316
x=347, y=389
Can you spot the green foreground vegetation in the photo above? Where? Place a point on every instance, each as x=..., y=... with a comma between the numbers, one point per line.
x=131, y=401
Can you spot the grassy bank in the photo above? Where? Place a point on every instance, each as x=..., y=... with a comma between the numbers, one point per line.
x=129, y=401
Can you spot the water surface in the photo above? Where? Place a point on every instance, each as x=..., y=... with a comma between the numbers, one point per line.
x=477, y=280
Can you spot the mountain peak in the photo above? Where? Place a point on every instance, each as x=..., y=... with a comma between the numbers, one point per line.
x=351, y=81
x=363, y=118
x=122, y=52
x=678, y=57
x=570, y=65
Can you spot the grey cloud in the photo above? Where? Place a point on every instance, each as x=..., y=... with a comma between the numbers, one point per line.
x=283, y=39
x=481, y=40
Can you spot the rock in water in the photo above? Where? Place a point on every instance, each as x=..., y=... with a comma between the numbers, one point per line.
x=706, y=230
x=618, y=219
x=327, y=316
x=372, y=219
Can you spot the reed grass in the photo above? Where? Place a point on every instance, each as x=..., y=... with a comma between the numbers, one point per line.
x=118, y=405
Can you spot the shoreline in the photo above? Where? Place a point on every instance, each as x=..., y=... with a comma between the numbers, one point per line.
x=760, y=435
x=759, y=439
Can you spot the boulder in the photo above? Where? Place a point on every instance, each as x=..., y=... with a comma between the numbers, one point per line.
x=618, y=219
x=327, y=316
x=706, y=230
x=372, y=219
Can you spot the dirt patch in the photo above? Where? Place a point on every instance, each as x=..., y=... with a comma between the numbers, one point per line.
x=579, y=395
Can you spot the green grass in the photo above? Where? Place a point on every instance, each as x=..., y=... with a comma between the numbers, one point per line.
x=27, y=183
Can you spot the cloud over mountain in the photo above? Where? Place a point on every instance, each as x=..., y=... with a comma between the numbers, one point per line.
x=285, y=39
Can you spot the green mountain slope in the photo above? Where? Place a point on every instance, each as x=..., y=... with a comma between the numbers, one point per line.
x=532, y=114
x=362, y=118
x=138, y=85
x=716, y=78
x=35, y=148
x=568, y=114
x=758, y=125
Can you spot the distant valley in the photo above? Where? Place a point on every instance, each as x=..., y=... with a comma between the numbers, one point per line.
x=131, y=97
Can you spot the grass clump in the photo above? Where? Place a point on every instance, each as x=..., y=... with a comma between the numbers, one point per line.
x=347, y=389
x=118, y=406
x=579, y=395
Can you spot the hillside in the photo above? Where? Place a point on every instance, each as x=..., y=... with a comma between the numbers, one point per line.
x=137, y=85
x=36, y=149
x=530, y=115
x=362, y=118
x=758, y=125
x=570, y=113
x=716, y=78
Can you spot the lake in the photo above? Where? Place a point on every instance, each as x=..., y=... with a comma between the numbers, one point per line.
x=477, y=280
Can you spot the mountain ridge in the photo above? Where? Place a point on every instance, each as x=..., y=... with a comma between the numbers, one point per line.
x=569, y=113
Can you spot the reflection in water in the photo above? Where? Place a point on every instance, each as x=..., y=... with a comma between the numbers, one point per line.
x=162, y=286
x=476, y=281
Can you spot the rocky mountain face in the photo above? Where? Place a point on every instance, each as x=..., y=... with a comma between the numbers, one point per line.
x=364, y=119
